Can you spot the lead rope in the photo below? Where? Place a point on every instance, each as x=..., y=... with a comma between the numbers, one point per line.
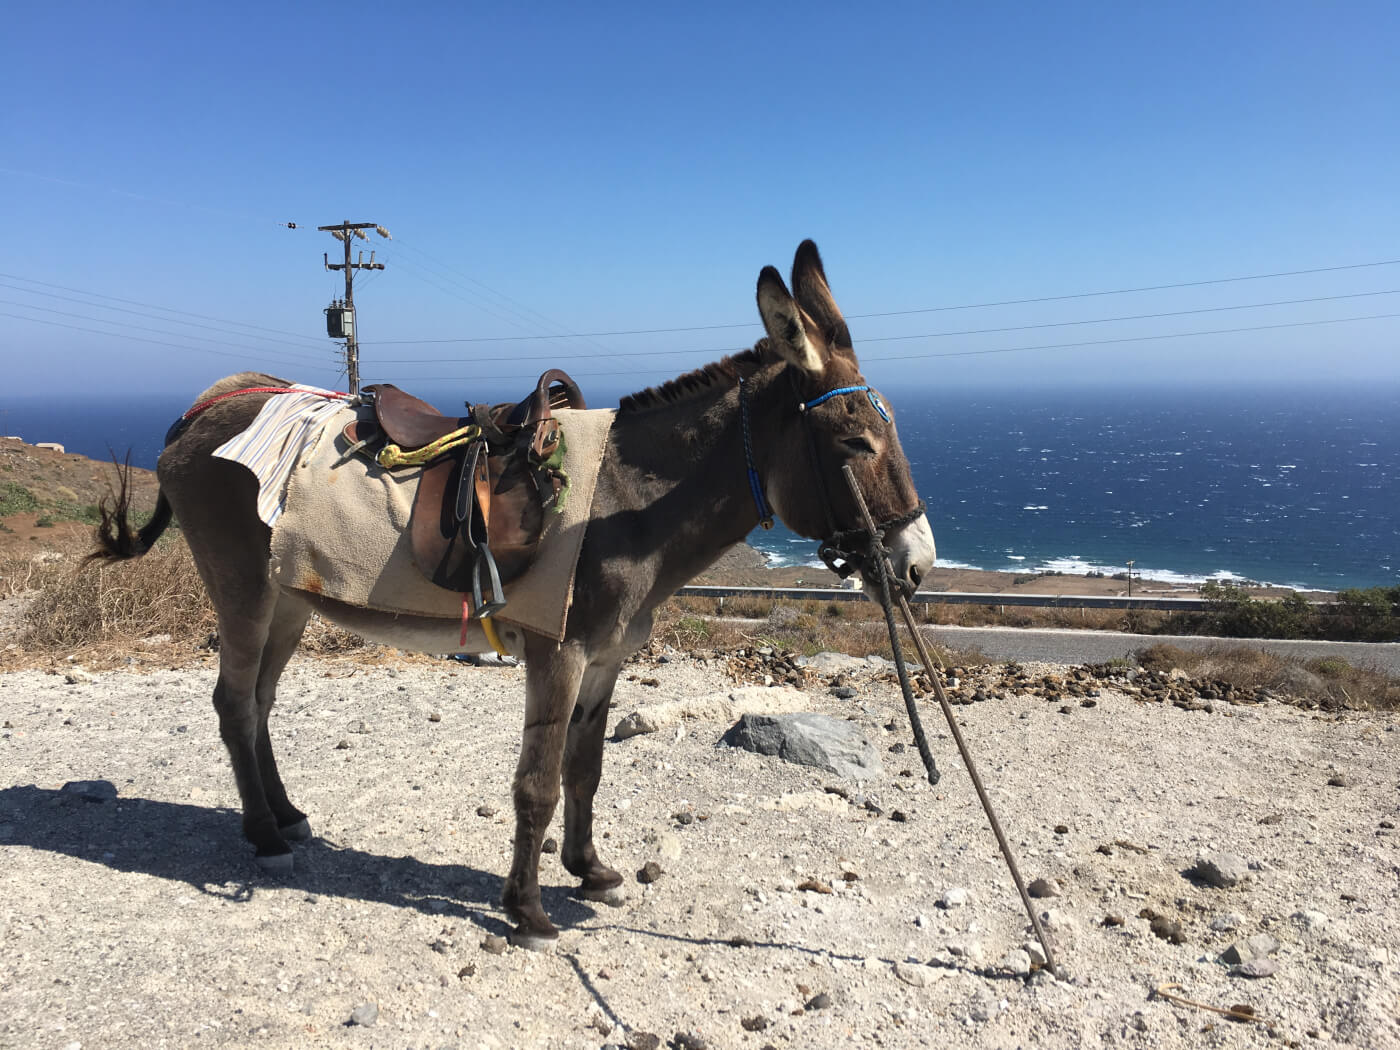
x=878, y=554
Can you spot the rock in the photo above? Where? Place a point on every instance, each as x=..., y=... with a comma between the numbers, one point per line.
x=1017, y=962
x=1227, y=922
x=342, y=744
x=809, y=740
x=1312, y=920
x=1221, y=870
x=1337, y=781
x=364, y=1015
x=550, y=845
x=494, y=944
x=820, y=1001
x=756, y=1023
x=485, y=811
x=1061, y=829
x=1043, y=888
x=466, y=971
x=434, y=716
x=1114, y=920
x=955, y=897
x=917, y=974
x=832, y=663
x=643, y=1041
x=1261, y=967
x=91, y=790
x=359, y=726
x=1255, y=947
x=635, y=724
x=688, y=1041
x=650, y=872
x=1168, y=930
x=684, y=818
x=76, y=675
x=813, y=886
x=843, y=692
x=1036, y=951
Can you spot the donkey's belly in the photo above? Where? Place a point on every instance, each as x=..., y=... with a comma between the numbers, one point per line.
x=424, y=634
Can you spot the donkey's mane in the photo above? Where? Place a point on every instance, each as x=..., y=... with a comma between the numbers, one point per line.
x=726, y=371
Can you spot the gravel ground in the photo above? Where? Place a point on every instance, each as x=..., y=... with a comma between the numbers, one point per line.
x=140, y=921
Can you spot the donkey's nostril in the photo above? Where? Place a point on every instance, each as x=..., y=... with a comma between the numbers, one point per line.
x=915, y=575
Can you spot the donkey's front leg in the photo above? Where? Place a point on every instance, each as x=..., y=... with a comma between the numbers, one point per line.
x=552, y=677
x=583, y=767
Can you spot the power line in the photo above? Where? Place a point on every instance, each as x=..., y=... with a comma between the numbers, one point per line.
x=153, y=306
x=144, y=328
x=948, y=334
x=137, y=313
x=921, y=310
x=1003, y=350
x=137, y=338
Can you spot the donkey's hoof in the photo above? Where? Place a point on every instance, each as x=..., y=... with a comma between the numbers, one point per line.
x=275, y=863
x=534, y=940
x=298, y=832
x=612, y=896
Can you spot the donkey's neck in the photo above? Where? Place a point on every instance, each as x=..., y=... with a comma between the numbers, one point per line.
x=677, y=474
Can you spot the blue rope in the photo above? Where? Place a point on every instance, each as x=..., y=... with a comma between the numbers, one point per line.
x=874, y=399
x=765, y=513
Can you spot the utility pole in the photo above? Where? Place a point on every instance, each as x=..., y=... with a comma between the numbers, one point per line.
x=340, y=316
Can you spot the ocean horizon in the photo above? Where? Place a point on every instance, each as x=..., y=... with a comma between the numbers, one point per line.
x=1291, y=487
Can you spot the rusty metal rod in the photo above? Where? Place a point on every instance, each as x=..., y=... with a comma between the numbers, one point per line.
x=936, y=679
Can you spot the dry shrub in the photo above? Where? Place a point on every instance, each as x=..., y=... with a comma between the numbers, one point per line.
x=1332, y=681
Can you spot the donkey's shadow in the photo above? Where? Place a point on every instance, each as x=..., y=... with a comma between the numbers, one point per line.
x=204, y=848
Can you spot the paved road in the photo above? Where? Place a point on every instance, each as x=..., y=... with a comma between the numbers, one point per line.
x=1069, y=646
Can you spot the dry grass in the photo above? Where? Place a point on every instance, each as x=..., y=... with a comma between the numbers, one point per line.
x=100, y=614
x=1335, y=683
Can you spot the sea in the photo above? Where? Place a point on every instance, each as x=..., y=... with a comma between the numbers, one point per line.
x=1293, y=487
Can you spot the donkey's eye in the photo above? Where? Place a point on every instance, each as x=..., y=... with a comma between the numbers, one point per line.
x=857, y=446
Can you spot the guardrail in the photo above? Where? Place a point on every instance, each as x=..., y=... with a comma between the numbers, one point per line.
x=1044, y=601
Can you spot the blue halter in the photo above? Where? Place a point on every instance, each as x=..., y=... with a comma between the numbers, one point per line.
x=803, y=406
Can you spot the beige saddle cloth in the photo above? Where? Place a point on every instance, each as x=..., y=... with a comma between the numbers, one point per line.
x=344, y=531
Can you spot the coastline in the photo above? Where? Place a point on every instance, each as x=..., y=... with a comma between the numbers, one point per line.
x=746, y=566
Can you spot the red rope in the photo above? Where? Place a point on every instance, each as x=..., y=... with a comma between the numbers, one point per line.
x=197, y=409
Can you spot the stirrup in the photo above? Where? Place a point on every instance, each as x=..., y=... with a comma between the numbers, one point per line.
x=484, y=609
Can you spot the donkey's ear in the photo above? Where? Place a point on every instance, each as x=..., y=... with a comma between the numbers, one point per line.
x=783, y=319
x=814, y=295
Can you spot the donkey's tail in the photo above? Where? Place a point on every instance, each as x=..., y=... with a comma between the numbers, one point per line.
x=115, y=539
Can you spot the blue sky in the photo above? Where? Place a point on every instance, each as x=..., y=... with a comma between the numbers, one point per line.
x=607, y=168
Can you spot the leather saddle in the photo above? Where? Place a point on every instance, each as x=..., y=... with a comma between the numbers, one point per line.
x=488, y=479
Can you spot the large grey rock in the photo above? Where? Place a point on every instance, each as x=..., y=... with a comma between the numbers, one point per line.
x=1219, y=869
x=809, y=740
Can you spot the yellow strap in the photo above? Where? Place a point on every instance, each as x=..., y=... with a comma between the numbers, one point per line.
x=391, y=456
x=488, y=625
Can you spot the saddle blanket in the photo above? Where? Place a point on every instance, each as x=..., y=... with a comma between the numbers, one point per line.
x=343, y=530
x=275, y=440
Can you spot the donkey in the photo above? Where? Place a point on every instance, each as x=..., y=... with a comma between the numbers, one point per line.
x=691, y=467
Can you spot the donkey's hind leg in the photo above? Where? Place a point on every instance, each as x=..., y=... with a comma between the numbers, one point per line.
x=288, y=622
x=583, y=768
x=244, y=628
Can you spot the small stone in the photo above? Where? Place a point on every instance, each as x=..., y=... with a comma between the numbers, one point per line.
x=756, y=1023
x=1061, y=829
x=643, y=1041
x=820, y=1001
x=494, y=944
x=91, y=790
x=364, y=1015
x=1389, y=825
x=1227, y=922
x=1260, y=967
x=1114, y=920
x=550, y=845
x=1066, y=710
x=899, y=817
x=650, y=683
x=955, y=897
x=688, y=1041
x=1338, y=781
x=342, y=744
x=897, y=748
x=358, y=727
x=650, y=872
x=434, y=716
x=466, y=971
x=685, y=818
x=1221, y=870
x=1017, y=962
x=843, y=692
x=1168, y=930
x=1043, y=888
x=485, y=811
x=813, y=886
x=917, y=975
x=1104, y=848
